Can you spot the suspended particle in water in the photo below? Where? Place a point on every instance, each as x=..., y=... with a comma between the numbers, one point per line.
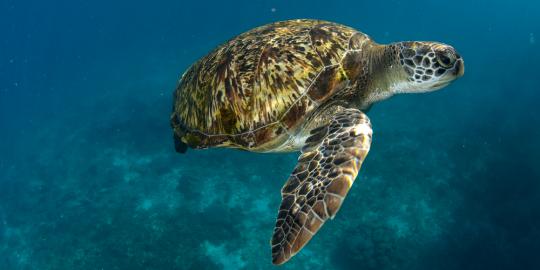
x=532, y=40
x=273, y=9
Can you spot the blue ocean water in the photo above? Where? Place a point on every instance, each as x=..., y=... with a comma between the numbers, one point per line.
x=89, y=178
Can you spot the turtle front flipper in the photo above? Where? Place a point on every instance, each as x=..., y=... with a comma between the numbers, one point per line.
x=330, y=160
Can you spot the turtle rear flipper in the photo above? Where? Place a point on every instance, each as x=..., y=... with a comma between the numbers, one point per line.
x=330, y=160
x=179, y=145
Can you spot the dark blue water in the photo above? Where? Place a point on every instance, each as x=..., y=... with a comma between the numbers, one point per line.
x=89, y=178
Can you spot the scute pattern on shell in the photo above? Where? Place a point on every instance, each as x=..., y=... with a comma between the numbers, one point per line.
x=256, y=87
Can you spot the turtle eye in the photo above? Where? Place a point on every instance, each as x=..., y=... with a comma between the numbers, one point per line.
x=445, y=59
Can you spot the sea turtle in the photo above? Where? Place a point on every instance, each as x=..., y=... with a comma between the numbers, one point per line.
x=302, y=85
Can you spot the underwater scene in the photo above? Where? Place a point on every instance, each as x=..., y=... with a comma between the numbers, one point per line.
x=90, y=179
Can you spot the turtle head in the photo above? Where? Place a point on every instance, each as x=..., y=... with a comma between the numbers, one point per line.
x=424, y=66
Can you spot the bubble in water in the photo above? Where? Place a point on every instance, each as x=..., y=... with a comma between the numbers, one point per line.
x=532, y=40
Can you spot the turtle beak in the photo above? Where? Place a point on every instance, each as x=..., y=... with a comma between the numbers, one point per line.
x=459, y=68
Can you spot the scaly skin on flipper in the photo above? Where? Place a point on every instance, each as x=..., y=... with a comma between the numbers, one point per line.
x=253, y=91
x=326, y=169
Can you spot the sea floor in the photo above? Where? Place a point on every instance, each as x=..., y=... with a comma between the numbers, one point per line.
x=102, y=188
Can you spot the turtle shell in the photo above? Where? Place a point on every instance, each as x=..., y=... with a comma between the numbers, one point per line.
x=254, y=90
